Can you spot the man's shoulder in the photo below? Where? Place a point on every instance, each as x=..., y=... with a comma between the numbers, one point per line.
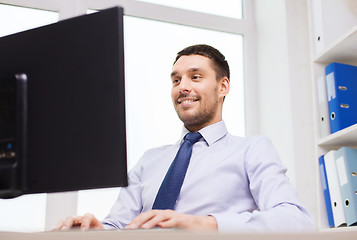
x=248, y=139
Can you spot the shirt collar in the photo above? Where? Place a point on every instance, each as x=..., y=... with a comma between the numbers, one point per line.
x=211, y=133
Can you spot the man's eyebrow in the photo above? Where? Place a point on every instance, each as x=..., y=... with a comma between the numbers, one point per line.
x=173, y=74
x=193, y=69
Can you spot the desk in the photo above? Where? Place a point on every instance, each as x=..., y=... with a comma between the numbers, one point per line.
x=176, y=235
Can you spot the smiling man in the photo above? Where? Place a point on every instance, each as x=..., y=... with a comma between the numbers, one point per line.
x=229, y=183
x=197, y=93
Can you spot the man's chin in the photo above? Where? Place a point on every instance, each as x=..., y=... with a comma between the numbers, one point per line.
x=192, y=123
x=188, y=118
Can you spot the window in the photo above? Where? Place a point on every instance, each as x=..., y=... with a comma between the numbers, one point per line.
x=225, y=8
x=26, y=213
x=152, y=39
x=150, y=53
x=16, y=19
x=150, y=49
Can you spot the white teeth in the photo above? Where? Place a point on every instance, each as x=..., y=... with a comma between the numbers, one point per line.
x=186, y=101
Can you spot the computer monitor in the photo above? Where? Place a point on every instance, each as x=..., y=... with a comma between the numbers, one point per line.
x=62, y=106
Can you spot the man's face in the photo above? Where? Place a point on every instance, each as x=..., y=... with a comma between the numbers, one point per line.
x=196, y=93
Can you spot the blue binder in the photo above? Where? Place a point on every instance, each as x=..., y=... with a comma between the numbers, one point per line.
x=346, y=164
x=325, y=188
x=341, y=83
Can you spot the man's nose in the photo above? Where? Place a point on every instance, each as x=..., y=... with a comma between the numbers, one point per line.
x=185, y=85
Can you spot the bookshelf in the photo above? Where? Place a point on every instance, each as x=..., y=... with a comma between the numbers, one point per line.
x=345, y=137
x=333, y=25
x=343, y=50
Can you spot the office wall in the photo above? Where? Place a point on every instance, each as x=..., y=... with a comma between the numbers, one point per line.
x=284, y=88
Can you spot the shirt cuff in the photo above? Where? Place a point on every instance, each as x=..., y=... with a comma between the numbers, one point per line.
x=232, y=222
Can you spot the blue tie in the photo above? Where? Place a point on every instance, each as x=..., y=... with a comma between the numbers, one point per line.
x=171, y=186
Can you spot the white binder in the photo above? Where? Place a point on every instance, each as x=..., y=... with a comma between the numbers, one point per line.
x=324, y=118
x=334, y=188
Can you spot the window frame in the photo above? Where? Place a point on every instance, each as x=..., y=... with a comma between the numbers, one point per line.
x=244, y=26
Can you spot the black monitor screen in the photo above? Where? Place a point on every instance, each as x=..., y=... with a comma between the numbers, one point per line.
x=7, y=102
x=75, y=105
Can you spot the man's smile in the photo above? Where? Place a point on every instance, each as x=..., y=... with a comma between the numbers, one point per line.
x=186, y=101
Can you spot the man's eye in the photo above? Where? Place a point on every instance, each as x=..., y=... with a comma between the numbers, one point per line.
x=175, y=81
x=196, y=77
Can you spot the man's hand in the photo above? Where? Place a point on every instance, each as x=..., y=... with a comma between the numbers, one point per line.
x=172, y=219
x=84, y=223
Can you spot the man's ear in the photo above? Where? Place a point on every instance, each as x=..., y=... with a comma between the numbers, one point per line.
x=224, y=86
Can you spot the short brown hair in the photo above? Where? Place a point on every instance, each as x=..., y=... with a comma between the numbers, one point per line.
x=219, y=61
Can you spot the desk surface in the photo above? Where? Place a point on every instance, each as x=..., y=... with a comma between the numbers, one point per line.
x=176, y=235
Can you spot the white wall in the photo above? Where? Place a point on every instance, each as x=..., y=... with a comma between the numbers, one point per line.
x=284, y=88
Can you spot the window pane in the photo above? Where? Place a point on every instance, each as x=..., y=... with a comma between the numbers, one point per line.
x=16, y=19
x=226, y=8
x=150, y=49
x=150, y=52
x=25, y=213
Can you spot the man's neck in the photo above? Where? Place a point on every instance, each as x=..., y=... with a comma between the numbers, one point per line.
x=196, y=128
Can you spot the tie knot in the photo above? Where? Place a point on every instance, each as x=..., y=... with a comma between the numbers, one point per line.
x=193, y=137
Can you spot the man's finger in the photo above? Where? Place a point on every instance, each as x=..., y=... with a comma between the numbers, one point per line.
x=58, y=226
x=156, y=219
x=90, y=221
x=69, y=222
x=170, y=223
x=151, y=219
x=141, y=219
x=86, y=222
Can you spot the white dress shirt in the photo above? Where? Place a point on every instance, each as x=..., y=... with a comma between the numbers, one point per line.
x=239, y=181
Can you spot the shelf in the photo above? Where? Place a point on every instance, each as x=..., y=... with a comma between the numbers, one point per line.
x=344, y=137
x=340, y=229
x=335, y=22
x=344, y=50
